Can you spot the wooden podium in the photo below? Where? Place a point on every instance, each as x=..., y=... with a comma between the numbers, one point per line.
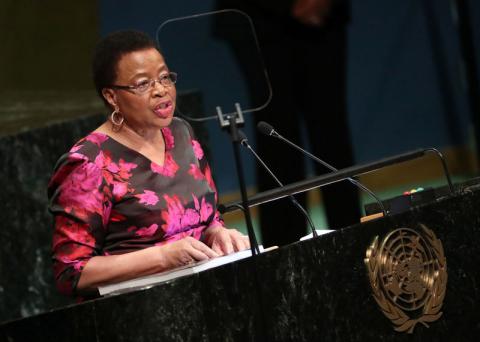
x=324, y=289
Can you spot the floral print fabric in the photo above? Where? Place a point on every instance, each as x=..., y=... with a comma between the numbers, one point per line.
x=109, y=199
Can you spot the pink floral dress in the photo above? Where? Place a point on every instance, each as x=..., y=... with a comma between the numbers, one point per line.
x=109, y=199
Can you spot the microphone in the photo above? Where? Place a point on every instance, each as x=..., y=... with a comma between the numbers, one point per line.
x=267, y=129
x=244, y=142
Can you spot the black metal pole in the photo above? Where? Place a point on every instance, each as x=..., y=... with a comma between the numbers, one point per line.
x=243, y=188
x=233, y=121
x=313, y=183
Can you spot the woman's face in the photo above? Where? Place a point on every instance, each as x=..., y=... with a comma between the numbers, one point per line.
x=155, y=107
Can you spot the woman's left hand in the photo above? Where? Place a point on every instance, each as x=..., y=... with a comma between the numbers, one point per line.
x=225, y=241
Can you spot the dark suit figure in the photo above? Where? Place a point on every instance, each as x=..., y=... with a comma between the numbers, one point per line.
x=303, y=44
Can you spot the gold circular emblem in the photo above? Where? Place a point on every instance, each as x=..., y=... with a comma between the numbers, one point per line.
x=408, y=275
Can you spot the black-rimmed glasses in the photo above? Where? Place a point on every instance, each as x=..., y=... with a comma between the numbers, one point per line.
x=166, y=80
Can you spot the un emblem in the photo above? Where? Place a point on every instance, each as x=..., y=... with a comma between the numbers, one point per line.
x=408, y=275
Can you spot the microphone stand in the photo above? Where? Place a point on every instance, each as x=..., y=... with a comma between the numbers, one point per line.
x=294, y=201
x=231, y=124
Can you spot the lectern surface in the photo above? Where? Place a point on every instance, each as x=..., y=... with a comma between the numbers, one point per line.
x=315, y=290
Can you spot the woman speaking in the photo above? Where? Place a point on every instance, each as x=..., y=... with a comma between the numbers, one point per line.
x=135, y=196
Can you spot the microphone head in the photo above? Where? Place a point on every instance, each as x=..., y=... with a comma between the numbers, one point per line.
x=243, y=137
x=265, y=128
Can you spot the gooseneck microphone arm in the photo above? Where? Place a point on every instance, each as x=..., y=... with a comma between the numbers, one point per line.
x=267, y=129
x=244, y=142
x=444, y=166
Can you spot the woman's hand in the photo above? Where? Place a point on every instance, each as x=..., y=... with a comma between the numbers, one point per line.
x=225, y=241
x=185, y=251
x=101, y=270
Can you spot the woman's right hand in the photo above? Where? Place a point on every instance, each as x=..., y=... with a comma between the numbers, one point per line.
x=185, y=251
x=101, y=270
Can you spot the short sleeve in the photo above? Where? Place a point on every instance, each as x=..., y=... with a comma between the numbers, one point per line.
x=80, y=201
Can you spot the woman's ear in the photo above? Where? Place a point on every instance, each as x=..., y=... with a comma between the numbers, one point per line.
x=110, y=96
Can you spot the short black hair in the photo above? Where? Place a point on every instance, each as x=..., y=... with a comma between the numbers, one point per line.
x=108, y=52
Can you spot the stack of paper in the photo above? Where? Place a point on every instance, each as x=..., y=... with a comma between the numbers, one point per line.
x=154, y=279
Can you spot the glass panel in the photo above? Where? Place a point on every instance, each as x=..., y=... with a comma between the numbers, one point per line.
x=217, y=54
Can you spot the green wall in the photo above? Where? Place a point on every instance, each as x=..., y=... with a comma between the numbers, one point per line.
x=46, y=49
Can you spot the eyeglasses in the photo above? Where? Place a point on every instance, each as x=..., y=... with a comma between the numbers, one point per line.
x=166, y=80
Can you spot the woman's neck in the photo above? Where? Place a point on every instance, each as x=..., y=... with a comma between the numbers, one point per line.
x=150, y=136
x=134, y=138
